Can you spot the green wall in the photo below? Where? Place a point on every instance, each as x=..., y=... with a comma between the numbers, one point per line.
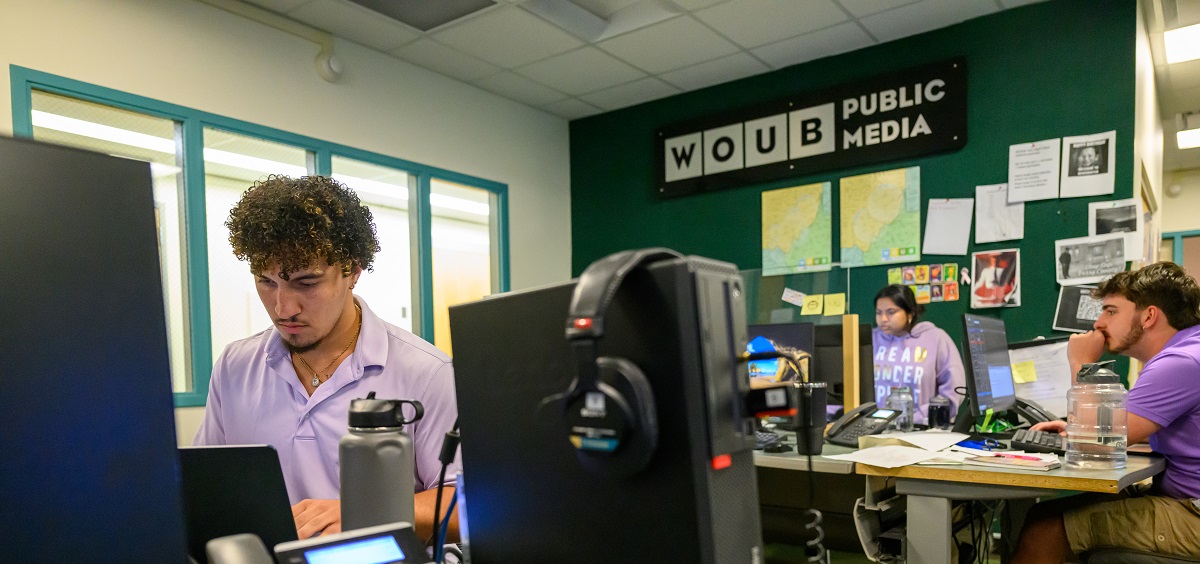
x=1038, y=72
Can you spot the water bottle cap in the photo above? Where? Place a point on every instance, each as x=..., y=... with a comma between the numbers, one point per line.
x=1097, y=373
x=377, y=413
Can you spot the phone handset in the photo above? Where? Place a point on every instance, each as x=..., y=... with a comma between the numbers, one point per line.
x=850, y=417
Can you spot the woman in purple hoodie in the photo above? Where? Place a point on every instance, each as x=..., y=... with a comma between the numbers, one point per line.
x=917, y=355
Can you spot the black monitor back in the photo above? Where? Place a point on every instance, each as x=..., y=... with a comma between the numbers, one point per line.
x=88, y=465
x=527, y=497
x=828, y=362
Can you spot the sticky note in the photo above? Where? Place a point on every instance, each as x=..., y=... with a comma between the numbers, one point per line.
x=813, y=304
x=1024, y=372
x=894, y=276
x=793, y=297
x=835, y=304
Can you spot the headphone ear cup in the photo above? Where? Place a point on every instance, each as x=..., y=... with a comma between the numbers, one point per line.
x=614, y=428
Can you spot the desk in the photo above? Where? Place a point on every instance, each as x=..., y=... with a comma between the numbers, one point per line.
x=793, y=461
x=931, y=488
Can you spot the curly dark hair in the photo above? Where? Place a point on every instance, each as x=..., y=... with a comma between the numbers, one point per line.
x=298, y=222
x=1164, y=285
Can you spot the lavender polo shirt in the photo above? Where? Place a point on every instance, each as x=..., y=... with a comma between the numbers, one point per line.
x=1167, y=392
x=255, y=397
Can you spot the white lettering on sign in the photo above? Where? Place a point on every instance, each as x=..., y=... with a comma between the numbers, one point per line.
x=766, y=140
x=812, y=131
x=683, y=157
x=723, y=149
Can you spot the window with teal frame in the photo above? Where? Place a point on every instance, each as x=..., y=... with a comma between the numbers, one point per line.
x=202, y=162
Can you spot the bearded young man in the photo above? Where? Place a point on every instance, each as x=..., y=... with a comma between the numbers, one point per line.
x=308, y=241
x=1151, y=314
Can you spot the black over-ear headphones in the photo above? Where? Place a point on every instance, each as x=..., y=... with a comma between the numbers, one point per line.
x=608, y=412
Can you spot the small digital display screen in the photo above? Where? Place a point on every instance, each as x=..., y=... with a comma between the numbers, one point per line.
x=883, y=413
x=379, y=550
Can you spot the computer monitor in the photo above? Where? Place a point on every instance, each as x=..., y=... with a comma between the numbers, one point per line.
x=829, y=361
x=770, y=338
x=989, y=375
x=527, y=496
x=88, y=459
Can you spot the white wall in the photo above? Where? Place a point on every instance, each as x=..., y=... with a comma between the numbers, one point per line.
x=198, y=56
x=1147, y=123
x=1182, y=212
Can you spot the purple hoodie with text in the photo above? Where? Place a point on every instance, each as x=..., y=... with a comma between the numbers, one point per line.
x=924, y=359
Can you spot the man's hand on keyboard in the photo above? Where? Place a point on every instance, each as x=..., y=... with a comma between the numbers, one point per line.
x=1059, y=427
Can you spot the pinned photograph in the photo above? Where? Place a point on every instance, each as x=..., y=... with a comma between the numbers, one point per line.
x=1119, y=216
x=1086, y=260
x=935, y=293
x=1087, y=165
x=1077, y=309
x=935, y=273
x=950, y=272
x=997, y=279
x=909, y=275
x=922, y=275
x=950, y=291
x=922, y=293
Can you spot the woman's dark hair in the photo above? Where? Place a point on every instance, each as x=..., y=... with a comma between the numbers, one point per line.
x=903, y=297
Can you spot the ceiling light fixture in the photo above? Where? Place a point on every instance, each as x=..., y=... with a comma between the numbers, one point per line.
x=1188, y=135
x=1182, y=44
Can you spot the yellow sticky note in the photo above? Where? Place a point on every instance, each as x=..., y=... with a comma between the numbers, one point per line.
x=1024, y=372
x=835, y=304
x=813, y=304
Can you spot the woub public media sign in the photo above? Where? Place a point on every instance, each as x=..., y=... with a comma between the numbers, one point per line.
x=919, y=111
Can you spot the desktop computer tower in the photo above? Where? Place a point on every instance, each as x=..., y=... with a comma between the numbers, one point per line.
x=527, y=496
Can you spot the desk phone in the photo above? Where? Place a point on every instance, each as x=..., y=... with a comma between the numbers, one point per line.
x=866, y=419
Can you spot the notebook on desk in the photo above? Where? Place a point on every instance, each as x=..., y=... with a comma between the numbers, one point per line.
x=233, y=489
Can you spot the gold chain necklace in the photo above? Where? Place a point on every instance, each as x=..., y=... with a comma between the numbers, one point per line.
x=316, y=380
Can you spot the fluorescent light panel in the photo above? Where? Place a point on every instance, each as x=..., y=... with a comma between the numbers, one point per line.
x=1182, y=44
x=1188, y=138
x=158, y=144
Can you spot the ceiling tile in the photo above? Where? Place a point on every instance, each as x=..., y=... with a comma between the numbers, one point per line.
x=925, y=16
x=572, y=108
x=860, y=8
x=673, y=44
x=605, y=8
x=581, y=71
x=279, y=6
x=693, y=5
x=508, y=37
x=440, y=58
x=751, y=23
x=629, y=94
x=1015, y=3
x=356, y=23
x=520, y=89
x=835, y=40
x=725, y=69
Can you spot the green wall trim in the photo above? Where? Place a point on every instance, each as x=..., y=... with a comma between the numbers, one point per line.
x=1025, y=83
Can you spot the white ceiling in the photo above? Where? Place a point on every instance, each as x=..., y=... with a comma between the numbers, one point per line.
x=1178, y=84
x=602, y=55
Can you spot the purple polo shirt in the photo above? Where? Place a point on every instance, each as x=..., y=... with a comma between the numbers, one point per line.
x=1167, y=392
x=255, y=397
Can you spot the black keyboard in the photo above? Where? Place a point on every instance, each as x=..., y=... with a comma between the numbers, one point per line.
x=765, y=438
x=1039, y=441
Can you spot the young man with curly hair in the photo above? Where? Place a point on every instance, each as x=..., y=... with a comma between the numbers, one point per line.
x=1151, y=314
x=307, y=241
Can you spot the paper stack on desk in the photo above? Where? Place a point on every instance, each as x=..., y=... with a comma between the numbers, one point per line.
x=888, y=456
x=893, y=450
x=927, y=440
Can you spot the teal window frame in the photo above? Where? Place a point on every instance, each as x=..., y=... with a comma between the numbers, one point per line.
x=193, y=122
x=1177, y=238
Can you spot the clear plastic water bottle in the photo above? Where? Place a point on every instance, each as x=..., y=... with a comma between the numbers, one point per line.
x=901, y=400
x=1097, y=431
